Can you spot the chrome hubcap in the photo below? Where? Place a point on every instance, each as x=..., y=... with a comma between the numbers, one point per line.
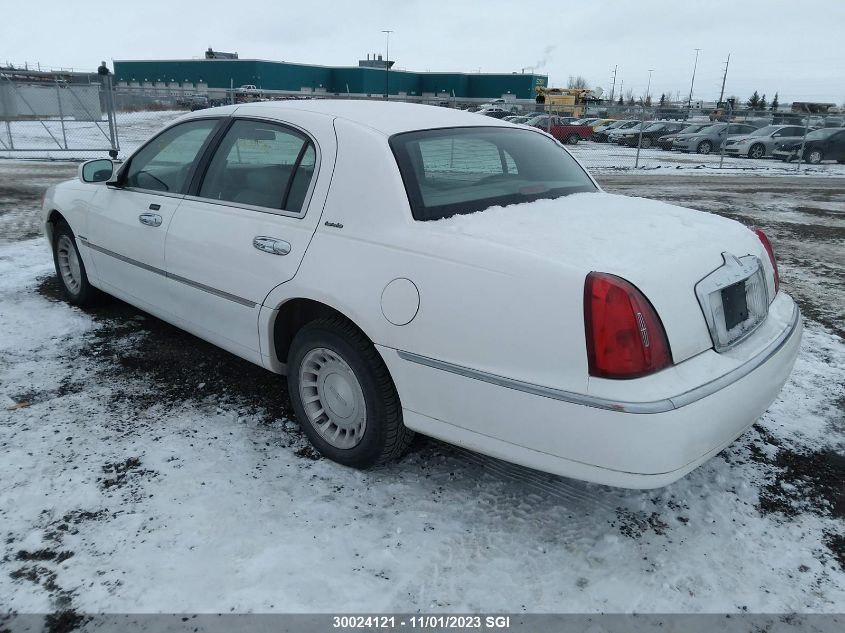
x=815, y=157
x=332, y=398
x=69, y=264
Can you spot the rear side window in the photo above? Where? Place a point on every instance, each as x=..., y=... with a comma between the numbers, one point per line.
x=261, y=164
x=464, y=170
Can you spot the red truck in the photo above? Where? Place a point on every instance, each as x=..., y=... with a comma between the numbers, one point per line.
x=562, y=129
x=568, y=133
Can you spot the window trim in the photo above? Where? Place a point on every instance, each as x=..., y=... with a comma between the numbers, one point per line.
x=205, y=160
x=122, y=175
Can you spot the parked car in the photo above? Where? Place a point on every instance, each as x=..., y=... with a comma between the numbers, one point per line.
x=600, y=123
x=665, y=142
x=762, y=142
x=650, y=133
x=199, y=102
x=602, y=135
x=496, y=113
x=518, y=119
x=630, y=126
x=823, y=144
x=421, y=269
x=710, y=138
x=571, y=133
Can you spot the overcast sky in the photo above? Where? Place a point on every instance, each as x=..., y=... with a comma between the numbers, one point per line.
x=789, y=47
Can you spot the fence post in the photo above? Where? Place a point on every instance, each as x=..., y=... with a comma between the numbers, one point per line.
x=103, y=71
x=804, y=139
x=61, y=112
x=640, y=139
x=727, y=133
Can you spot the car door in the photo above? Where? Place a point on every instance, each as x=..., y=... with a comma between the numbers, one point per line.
x=836, y=147
x=128, y=222
x=244, y=228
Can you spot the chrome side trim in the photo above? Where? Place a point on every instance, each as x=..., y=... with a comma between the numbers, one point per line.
x=653, y=406
x=158, y=271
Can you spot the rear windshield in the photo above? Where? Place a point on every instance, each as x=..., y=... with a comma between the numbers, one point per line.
x=463, y=170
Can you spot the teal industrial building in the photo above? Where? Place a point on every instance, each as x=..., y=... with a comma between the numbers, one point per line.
x=223, y=74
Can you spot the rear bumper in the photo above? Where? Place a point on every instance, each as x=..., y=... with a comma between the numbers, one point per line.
x=632, y=444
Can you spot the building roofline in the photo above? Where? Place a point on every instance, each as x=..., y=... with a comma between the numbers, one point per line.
x=272, y=61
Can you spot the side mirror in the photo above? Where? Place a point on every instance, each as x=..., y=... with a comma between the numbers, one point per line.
x=99, y=170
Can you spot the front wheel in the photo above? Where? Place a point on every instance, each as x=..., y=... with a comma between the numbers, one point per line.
x=645, y=143
x=704, y=147
x=757, y=151
x=343, y=396
x=70, y=269
x=815, y=157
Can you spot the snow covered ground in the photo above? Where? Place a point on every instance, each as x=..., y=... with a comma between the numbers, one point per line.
x=143, y=470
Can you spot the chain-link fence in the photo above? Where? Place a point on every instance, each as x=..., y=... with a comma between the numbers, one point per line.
x=52, y=119
x=43, y=114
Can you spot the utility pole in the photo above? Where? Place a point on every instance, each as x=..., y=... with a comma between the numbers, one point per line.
x=613, y=89
x=387, y=65
x=724, y=77
x=692, y=83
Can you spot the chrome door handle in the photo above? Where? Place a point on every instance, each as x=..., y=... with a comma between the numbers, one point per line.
x=150, y=219
x=271, y=245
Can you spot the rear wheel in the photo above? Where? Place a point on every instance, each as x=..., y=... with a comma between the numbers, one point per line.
x=573, y=139
x=704, y=147
x=70, y=269
x=343, y=395
x=757, y=150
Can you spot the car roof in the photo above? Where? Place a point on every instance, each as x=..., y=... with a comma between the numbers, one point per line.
x=384, y=116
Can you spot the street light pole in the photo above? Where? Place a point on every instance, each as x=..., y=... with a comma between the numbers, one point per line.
x=387, y=65
x=692, y=83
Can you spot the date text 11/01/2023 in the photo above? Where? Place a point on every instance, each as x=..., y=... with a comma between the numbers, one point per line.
x=421, y=622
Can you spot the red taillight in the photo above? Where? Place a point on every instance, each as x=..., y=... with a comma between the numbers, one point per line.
x=768, y=246
x=625, y=338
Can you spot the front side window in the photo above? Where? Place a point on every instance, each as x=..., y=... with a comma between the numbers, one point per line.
x=165, y=162
x=464, y=170
x=261, y=164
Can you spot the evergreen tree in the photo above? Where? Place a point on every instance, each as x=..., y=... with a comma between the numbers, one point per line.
x=663, y=99
x=648, y=101
x=621, y=101
x=775, y=103
x=762, y=104
x=754, y=101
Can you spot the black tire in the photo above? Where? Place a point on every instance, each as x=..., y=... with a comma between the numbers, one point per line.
x=573, y=139
x=758, y=150
x=385, y=436
x=814, y=157
x=85, y=294
x=645, y=143
x=704, y=147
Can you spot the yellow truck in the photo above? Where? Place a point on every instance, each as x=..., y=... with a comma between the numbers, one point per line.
x=565, y=101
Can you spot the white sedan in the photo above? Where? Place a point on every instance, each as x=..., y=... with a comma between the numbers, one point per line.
x=412, y=268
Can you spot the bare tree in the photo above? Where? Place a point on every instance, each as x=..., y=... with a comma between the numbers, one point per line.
x=577, y=82
x=629, y=96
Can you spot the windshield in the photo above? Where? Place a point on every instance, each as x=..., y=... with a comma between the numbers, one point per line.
x=464, y=170
x=628, y=124
x=692, y=129
x=654, y=127
x=821, y=134
x=765, y=131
